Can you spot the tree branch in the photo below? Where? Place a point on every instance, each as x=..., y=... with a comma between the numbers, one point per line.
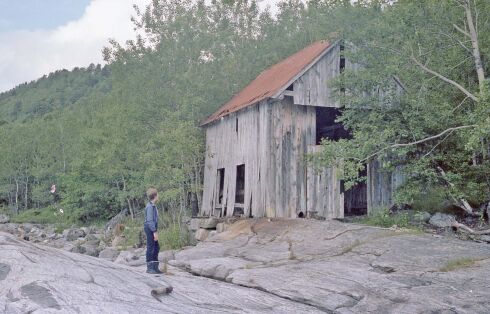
x=462, y=31
x=445, y=79
x=419, y=141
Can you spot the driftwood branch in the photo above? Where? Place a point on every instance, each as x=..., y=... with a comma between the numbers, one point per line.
x=461, y=202
x=445, y=79
x=468, y=229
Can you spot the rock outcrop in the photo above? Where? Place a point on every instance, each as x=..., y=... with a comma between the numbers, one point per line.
x=41, y=279
x=346, y=268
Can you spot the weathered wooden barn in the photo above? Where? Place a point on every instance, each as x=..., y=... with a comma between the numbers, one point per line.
x=256, y=145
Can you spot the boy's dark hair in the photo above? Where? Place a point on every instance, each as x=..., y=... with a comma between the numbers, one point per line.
x=151, y=193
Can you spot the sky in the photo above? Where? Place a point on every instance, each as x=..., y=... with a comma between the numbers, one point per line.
x=41, y=36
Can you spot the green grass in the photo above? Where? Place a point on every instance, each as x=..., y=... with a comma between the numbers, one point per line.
x=459, y=263
x=41, y=216
x=384, y=219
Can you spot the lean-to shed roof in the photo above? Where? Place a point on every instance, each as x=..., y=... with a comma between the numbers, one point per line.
x=272, y=80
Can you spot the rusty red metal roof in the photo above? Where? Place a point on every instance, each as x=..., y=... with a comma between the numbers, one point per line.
x=271, y=80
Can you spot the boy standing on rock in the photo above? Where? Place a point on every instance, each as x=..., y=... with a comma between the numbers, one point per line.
x=151, y=231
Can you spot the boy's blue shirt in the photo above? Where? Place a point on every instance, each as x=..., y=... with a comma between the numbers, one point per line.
x=151, y=217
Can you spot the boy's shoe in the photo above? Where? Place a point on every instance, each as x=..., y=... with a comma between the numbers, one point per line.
x=156, y=268
x=150, y=268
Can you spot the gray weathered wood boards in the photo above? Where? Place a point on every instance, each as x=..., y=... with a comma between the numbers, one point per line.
x=314, y=88
x=324, y=195
x=271, y=139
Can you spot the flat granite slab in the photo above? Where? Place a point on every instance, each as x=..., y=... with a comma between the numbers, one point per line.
x=347, y=268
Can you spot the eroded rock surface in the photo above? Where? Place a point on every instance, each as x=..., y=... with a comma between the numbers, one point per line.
x=41, y=279
x=346, y=268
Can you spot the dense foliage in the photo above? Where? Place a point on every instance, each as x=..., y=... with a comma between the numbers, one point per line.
x=103, y=135
x=438, y=128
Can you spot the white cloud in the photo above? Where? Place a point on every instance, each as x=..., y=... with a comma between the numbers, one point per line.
x=27, y=55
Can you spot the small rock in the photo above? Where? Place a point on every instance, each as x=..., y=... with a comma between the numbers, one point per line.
x=166, y=256
x=78, y=249
x=209, y=223
x=4, y=219
x=212, y=233
x=88, y=230
x=485, y=238
x=441, y=220
x=92, y=237
x=74, y=234
x=109, y=254
x=90, y=249
x=202, y=234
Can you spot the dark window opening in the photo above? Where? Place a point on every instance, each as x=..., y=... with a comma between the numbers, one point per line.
x=342, y=68
x=355, y=199
x=236, y=125
x=240, y=184
x=301, y=215
x=238, y=212
x=290, y=87
x=221, y=185
x=327, y=128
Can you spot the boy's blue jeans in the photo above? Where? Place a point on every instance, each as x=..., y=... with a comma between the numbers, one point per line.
x=152, y=247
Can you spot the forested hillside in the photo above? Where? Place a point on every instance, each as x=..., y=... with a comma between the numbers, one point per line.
x=57, y=90
x=103, y=135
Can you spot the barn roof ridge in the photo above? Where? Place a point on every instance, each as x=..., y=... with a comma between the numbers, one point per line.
x=271, y=82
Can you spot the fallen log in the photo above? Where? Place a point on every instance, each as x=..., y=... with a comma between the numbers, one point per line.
x=469, y=230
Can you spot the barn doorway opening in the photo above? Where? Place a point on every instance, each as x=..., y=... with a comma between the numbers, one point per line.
x=239, y=191
x=221, y=185
x=326, y=127
x=355, y=199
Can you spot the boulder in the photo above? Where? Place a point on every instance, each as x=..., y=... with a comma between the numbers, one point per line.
x=90, y=248
x=109, y=254
x=209, y=223
x=125, y=257
x=441, y=220
x=422, y=217
x=195, y=224
x=77, y=249
x=222, y=227
x=4, y=219
x=202, y=234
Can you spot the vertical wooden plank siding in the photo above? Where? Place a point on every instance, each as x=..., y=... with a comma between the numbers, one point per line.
x=324, y=194
x=314, y=87
x=381, y=185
